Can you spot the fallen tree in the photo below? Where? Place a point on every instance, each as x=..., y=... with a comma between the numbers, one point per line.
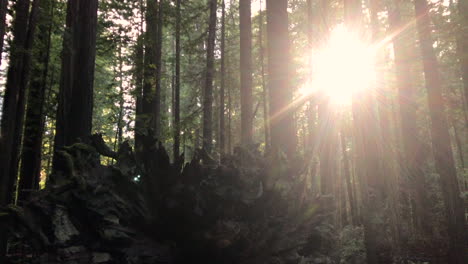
x=248, y=209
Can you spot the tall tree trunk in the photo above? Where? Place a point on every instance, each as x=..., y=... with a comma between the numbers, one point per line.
x=149, y=83
x=158, y=64
x=11, y=98
x=13, y=106
x=229, y=113
x=283, y=134
x=389, y=159
x=177, y=84
x=138, y=76
x=458, y=142
x=462, y=44
x=367, y=148
x=266, y=127
x=3, y=11
x=327, y=130
x=245, y=27
x=222, y=108
x=24, y=83
x=75, y=108
x=34, y=124
x=441, y=146
x=120, y=117
x=208, y=93
x=312, y=110
x=347, y=176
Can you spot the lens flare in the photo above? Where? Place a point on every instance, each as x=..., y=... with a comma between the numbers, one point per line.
x=343, y=67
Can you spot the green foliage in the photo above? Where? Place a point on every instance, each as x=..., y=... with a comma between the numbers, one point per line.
x=352, y=249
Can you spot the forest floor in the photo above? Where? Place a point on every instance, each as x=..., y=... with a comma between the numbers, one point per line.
x=243, y=210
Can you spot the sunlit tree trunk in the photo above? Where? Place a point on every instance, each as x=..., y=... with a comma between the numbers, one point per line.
x=384, y=103
x=3, y=11
x=327, y=130
x=245, y=27
x=441, y=146
x=367, y=148
x=266, y=128
x=312, y=109
x=210, y=69
x=283, y=134
x=347, y=175
x=462, y=44
x=326, y=133
x=458, y=142
x=177, y=84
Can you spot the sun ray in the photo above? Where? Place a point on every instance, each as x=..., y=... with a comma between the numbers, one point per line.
x=343, y=67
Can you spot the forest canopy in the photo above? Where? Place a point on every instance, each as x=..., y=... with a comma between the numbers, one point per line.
x=234, y=131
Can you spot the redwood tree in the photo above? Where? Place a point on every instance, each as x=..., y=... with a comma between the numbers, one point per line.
x=283, y=134
x=441, y=146
x=367, y=148
x=412, y=146
x=177, y=84
x=158, y=65
x=245, y=26
x=462, y=44
x=146, y=119
x=3, y=11
x=210, y=69
x=75, y=108
x=13, y=105
x=266, y=127
x=222, y=126
x=34, y=122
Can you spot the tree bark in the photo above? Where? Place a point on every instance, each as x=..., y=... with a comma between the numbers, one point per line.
x=120, y=117
x=283, y=134
x=462, y=44
x=245, y=27
x=149, y=84
x=441, y=145
x=222, y=108
x=347, y=176
x=75, y=108
x=139, y=82
x=312, y=110
x=266, y=127
x=208, y=93
x=13, y=106
x=229, y=114
x=158, y=64
x=11, y=98
x=34, y=124
x=367, y=148
x=177, y=84
x=3, y=11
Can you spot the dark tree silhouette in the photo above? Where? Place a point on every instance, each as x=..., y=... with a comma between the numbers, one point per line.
x=75, y=108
